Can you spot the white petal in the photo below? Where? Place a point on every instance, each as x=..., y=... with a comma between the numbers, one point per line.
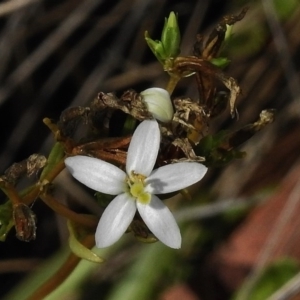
x=115, y=220
x=159, y=104
x=143, y=148
x=97, y=174
x=174, y=177
x=161, y=222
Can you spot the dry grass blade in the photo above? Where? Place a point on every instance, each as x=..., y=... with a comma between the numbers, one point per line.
x=64, y=30
x=14, y=5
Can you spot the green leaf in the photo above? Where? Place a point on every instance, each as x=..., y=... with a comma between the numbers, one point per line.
x=157, y=48
x=220, y=62
x=285, y=8
x=274, y=276
x=214, y=149
x=129, y=125
x=79, y=249
x=169, y=47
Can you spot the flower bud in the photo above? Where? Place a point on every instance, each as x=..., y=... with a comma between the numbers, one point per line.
x=168, y=48
x=159, y=104
x=170, y=36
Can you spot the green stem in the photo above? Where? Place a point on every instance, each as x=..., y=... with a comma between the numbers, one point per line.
x=174, y=79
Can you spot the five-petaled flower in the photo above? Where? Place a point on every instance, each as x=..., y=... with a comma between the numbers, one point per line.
x=135, y=189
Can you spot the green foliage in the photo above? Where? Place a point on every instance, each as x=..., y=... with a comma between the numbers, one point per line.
x=78, y=248
x=168, y=47
x=220, y=62
x=214, y=149
x=129, y=125
x=235, y=214
x=274, y=276
x=148, y=271
x=285, y=9
x=170, y=36
x=249, y=41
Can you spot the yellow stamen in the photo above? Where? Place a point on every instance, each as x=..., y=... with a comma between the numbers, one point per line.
x=144, y=198
x=137, y=191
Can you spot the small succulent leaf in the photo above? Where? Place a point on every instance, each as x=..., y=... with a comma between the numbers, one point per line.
x=220, y=62
x=157, y=48
x=78, y=248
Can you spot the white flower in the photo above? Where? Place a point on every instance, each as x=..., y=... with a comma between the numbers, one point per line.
x=135, y=189
x=159, y=104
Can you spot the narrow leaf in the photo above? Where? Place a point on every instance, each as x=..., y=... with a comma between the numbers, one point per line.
x=79, y=249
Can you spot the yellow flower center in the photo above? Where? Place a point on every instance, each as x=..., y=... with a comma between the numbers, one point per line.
x=137, y=188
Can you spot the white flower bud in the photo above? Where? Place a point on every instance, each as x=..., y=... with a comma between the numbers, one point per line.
x=159, y=104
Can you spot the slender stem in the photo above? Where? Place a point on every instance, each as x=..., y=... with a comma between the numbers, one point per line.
x=85, y=220
x=174, y=79
x=65, y=270
x=31, y=195
x=11, y=193
x=52, y=126
x=55, y=171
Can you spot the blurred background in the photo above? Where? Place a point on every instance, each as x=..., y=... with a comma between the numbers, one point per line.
x=243, y=217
